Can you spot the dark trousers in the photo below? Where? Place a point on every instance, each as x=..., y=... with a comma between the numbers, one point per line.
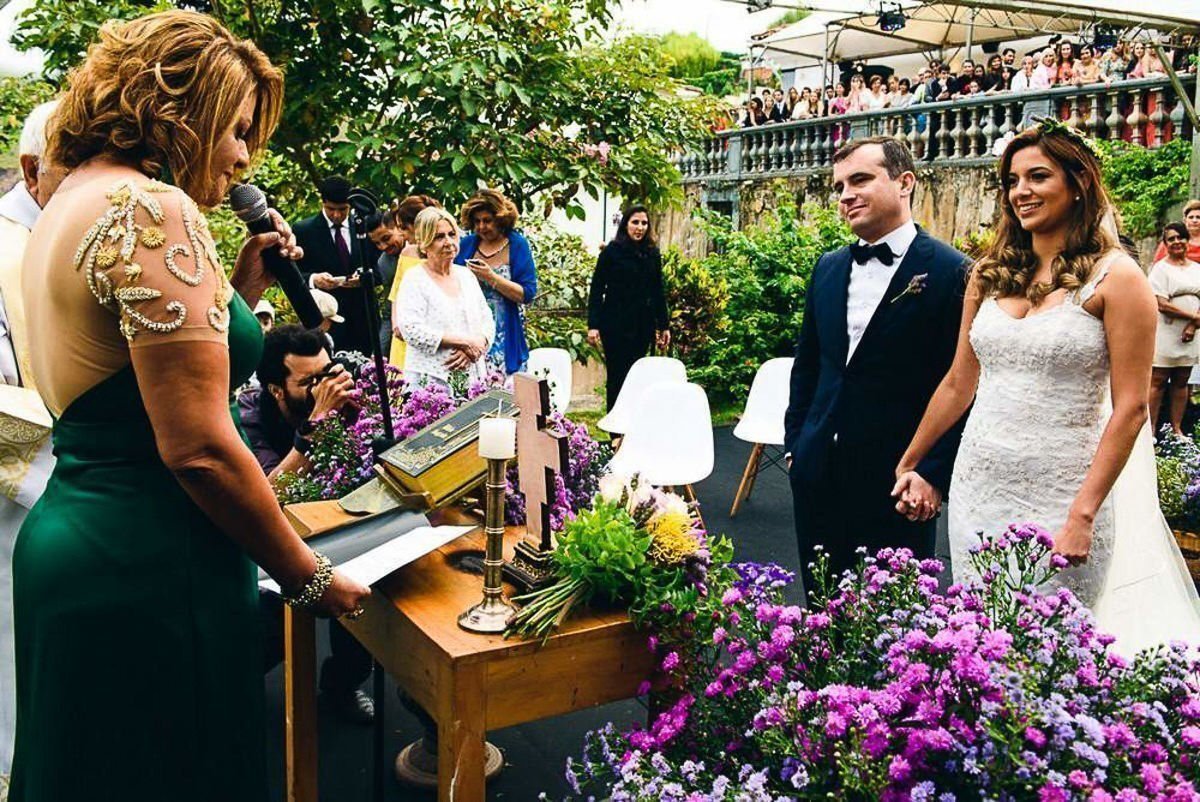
x=620, y=352
x=346, y=668
x=849, y=506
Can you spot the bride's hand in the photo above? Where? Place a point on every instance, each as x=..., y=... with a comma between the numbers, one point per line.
x=1074, y=540
x=918, y=499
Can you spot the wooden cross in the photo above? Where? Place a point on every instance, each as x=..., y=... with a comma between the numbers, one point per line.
x=540, y=454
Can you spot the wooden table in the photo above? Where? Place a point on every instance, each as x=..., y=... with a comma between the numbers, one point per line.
x=468, y=683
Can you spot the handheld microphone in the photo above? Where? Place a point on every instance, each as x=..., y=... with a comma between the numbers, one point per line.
x=250, y=205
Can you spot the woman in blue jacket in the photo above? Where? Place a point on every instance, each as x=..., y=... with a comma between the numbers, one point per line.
x=502, y=261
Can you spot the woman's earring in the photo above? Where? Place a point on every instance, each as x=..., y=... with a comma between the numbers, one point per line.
x=1077, y=198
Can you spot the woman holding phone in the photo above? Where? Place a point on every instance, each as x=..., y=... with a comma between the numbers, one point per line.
x=502, y=261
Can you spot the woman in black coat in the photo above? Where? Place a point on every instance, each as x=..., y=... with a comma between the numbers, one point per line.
x=627, y=306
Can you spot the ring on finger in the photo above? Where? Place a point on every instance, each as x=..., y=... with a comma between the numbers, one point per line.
x=355, y=613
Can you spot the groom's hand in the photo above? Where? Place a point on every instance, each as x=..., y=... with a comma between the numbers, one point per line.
x=918, y=500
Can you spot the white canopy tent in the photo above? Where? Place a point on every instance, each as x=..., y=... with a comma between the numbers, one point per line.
x=848, y=29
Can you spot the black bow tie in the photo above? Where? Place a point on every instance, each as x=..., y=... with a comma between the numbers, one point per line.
x=863, y=253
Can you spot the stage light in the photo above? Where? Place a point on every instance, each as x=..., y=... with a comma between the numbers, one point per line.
x=893, y=19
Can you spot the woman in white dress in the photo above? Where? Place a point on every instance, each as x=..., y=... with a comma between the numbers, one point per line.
x=440, y=309
x=1175, y=280
x=1055, y=352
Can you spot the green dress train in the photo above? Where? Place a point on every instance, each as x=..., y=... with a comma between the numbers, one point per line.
x=139, y=673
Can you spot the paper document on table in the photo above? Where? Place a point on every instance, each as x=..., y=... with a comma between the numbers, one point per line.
x=372, y=566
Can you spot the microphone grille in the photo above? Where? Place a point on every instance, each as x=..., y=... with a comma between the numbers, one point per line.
x=247, y=202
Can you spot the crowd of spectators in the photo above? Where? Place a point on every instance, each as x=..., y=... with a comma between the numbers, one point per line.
x=1062, y=63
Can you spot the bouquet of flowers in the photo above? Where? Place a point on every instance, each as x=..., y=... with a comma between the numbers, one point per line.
x=1178, y=463
x=889, y=690
x=636, y=546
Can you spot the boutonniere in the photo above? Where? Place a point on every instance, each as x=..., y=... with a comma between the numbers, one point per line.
x=915, y=285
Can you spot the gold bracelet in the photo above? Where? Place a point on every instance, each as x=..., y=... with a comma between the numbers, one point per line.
x=316, y=586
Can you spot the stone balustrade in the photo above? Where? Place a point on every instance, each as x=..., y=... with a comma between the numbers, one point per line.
x=1144, y=112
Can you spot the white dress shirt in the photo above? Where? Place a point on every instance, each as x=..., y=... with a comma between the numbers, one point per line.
x=20, y=207
x=869, y=282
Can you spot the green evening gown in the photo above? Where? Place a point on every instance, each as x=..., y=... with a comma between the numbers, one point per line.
x=139, y=673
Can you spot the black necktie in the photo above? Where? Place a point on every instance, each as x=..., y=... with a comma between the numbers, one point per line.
x=862, y=253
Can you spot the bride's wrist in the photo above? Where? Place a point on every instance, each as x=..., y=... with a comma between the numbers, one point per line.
x=1081, y=516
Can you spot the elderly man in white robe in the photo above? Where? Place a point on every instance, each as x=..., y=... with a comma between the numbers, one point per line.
x=25, y=458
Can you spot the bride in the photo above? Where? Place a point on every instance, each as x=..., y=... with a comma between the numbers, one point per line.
x=1055, y=350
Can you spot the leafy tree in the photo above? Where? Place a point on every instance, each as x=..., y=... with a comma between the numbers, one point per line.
x=18, y=96
x=426, y=95
x=788, y=17
x=1145, y=182
x=690, y=54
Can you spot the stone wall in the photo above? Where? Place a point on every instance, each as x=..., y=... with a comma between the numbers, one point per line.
x=950, y=202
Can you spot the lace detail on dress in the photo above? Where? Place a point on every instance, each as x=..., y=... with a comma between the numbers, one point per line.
x=1039, y=411
x=116, y=240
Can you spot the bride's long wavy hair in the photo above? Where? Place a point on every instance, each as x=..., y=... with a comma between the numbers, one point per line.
x=1007, y=267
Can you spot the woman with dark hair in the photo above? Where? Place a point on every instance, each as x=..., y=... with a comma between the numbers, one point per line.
x=1175, y=280
x=627, y=305
x=1054, y=353
x=502, y=261
x=139, y=652
x=754, y=116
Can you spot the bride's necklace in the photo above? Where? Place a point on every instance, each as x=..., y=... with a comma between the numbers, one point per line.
x=494, y=253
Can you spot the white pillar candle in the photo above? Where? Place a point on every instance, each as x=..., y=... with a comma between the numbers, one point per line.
x=497, y=438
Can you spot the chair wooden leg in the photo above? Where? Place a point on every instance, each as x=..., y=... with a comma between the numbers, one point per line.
x=743, y=491
x=689, y=494
x=761, y=449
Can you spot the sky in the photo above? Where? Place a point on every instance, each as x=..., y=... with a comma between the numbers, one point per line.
x=727, y=25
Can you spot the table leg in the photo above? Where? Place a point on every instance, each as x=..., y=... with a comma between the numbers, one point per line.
x=461, y=734
x=300, y=705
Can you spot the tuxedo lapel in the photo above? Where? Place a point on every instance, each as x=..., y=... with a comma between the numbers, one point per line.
x=915, y=260
x=839, y=290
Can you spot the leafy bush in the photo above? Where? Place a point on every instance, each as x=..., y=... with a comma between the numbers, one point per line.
x=545, y=329
x=564, y=265
x=696, y=300
x=1144, y=182
x=766, y=268
x=18, y=96
x=975, y=243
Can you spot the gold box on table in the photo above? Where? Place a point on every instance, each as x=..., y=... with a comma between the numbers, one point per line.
x=441, y=461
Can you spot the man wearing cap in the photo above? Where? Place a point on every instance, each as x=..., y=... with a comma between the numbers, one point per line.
x=25, y=458
x=332, y=259
x=329, y=317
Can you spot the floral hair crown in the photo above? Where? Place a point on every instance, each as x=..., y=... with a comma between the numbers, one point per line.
x=1050, y=125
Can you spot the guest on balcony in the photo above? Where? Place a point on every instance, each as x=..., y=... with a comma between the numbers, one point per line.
x=754, y=115
x=1146, y=63
x=793, y=103
x=1087, y=69
x=874, y=98
x=994, y=80
x=1064, y=64
x=1114, y=65
x=902, y=98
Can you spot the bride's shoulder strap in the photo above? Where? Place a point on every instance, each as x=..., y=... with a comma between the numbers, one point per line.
x=1099, y=273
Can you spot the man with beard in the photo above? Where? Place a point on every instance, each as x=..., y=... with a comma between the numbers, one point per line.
x=300, y=384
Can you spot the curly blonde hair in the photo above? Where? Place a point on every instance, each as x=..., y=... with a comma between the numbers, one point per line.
x=1009, y=264
x=489, y=200
x=161, y=91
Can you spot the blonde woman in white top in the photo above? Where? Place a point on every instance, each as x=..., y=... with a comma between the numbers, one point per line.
x=440, y=309
x=1176, y=284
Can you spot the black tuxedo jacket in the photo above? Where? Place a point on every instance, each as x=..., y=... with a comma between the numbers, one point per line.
x=874, y=403
x=313, y=234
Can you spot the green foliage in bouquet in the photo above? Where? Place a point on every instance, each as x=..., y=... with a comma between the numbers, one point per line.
x=1172, y=488
x=696, y=299
x=767, y=268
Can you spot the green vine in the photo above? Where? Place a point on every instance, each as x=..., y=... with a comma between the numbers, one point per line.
x=1145, y=182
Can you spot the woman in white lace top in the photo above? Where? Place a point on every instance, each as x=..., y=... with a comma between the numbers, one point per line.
x=440, y=309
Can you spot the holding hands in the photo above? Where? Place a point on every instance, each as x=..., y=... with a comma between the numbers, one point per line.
x=918, y=500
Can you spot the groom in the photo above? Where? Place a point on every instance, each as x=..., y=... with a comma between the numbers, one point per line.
x=880, y=326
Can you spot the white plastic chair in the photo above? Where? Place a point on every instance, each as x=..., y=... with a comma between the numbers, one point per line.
x=553, y=364
x=762, y=423
x=671, y=441
x=646, y=371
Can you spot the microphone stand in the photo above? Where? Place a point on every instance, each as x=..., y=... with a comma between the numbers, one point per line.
x=363, y=203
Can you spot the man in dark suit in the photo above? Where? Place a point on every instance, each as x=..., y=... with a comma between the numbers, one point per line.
x=778, y=113
x=332, y=259
x=880, y=328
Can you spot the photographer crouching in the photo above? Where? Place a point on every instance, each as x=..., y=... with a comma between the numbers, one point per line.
x=299, y=384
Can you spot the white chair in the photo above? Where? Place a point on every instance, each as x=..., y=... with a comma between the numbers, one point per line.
x=646, y=371
x=762, y=422
x=553, y=364
x=670, y=443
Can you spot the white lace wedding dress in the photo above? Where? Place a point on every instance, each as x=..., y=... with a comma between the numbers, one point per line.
x=1041, y=406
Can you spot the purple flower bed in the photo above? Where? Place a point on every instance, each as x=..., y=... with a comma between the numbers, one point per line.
x=888, y=690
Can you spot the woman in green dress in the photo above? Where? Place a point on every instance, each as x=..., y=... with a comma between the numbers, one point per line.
x=137, y=637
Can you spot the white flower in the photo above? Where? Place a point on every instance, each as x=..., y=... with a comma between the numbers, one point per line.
x=613, y=486
x=1000, y=144
x=672, y=503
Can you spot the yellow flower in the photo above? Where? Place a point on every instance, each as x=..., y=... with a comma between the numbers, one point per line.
x=673, y=541
x=120, y=197
x=106, y=256
x=133, y=271
x=153, y=237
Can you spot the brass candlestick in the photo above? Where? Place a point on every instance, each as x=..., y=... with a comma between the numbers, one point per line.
x=491, y=615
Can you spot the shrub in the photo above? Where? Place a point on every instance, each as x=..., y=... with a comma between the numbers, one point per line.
x=696, y=300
